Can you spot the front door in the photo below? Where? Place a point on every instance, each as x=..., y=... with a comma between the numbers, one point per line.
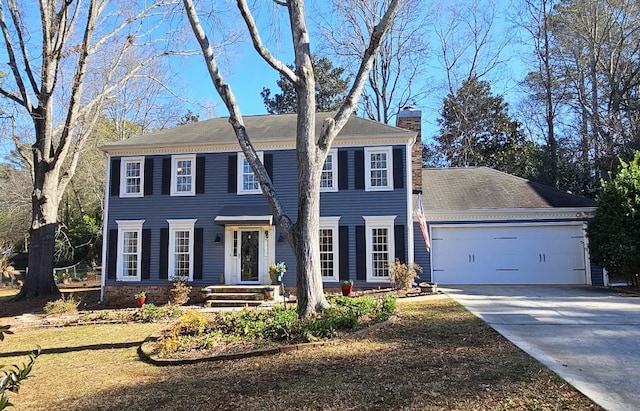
x=249, y=255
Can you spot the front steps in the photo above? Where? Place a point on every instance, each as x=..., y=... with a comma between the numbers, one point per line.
x=240, y=295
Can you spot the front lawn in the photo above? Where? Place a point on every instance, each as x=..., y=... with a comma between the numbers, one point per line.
x=437, y=356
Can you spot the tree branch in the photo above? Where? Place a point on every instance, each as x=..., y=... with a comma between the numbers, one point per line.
x=24, y=101
x=260, y=48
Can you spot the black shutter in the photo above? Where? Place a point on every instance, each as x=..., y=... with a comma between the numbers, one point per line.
x=200, y=173
x=146, y=254
x=166, y=176
x=197, y=253
x=343, y=251
x=112, y=255
x=399, y=243
x=164, y=253
x=148, y=176
x=358, y=157
x=268, y=165
x=232, y=171
x=115, y=177
x=398, y=175
x=343, y=170
x=361, y=253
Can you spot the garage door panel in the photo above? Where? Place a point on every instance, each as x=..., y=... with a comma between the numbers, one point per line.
x=508, y=255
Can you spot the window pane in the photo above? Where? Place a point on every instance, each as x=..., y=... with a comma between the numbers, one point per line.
x=249, y=180
x=326, y=252
x=184, y=175
x=132, y=177
x=181, y=253
x=380, y=251
x=326, y=179
x=379, y=170
x=130, y=253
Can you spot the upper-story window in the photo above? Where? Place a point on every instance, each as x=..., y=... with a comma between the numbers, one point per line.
x=183, y=175
x=378, y=162
x=132, y=177
x=247, y=181
x=329, y=177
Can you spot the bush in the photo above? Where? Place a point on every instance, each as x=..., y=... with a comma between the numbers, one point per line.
x=191, y=322
x=10, y=377
x=402, y=275
x=179, y=293
x=150, y=313
x=386, y=308
x=62, y=306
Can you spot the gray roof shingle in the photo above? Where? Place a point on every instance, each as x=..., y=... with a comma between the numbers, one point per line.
x=261, y=128
x=476, y=188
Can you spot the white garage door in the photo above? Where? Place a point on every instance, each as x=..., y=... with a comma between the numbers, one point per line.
x=551, y=254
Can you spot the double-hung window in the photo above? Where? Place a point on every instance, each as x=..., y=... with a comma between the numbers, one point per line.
x=129, y=257
x=329, y=248
x=329, y=177
x=183, y=175
x=132, y=177
x=378, y=168
x=247, y=181
x=181, y=249
x=380, y=246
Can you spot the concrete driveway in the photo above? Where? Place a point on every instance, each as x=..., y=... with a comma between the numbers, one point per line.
x=589, y=336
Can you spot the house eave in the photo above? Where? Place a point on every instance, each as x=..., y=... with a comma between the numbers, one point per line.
x=510, y=214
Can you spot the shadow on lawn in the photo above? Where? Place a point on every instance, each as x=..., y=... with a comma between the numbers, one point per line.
x=421, y=362
x=62, y=350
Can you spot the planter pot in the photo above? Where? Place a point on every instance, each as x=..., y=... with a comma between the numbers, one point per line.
x=428, y=287
x=346, y=290
x=140, y=301
x=268, y=294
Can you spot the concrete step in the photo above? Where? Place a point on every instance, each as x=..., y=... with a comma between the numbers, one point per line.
x=238, y=288
x=235, y=296
x=232, y=303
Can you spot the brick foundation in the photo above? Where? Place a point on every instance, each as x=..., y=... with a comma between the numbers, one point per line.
x=122, y=295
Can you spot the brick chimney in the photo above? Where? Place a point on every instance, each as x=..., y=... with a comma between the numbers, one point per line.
x=411, y=119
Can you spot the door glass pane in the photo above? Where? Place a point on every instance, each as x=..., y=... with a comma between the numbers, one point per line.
x=249, y=243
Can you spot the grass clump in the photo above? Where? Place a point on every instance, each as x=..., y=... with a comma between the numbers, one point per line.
x=62, y=306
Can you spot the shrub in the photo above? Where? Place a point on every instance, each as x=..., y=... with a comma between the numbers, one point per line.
x=179, y=293
x=402, y=275
x=150, y=313
x=191, y=322
x=62, y=305
x=386, y=308
x=10, y=377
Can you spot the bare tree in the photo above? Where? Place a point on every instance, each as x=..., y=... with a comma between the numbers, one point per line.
x=469, y=44
x=395, y=79
x=61, y=73
x=303, y=235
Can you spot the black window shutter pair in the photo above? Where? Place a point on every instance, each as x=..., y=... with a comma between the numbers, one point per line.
x=198, y=236
x=199, y=176
x=361, y=246
x=398, y=168
x=115, y=177
x=232, y=170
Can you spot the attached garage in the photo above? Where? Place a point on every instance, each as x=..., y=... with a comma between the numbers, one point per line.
x=509, y=254
x=489, y=227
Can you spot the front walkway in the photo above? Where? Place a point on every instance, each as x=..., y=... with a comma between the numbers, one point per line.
x=589, y=336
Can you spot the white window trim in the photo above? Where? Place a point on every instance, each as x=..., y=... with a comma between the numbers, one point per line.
x=334, y=172
x=180, y=225
x=239, y=174
x=123, y=177
x=332, y=223
x=372, y=222
x=128, y=226
x=174, y=181
x=388, y=150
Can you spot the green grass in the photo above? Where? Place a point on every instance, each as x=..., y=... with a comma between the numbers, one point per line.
x=437, y=356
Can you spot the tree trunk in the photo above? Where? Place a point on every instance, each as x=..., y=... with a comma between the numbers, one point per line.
x=39, y=281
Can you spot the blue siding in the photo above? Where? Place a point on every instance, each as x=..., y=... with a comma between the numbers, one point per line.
x=422, y=257
x=156, y=209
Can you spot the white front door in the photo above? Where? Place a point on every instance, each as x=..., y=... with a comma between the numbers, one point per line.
x=248, y=254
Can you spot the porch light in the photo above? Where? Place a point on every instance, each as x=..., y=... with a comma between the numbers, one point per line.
x=217, y=240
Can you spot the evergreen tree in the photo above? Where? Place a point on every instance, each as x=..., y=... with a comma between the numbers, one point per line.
x=331, y=89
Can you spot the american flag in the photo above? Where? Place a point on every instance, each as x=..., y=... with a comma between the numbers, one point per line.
x=423, y=223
